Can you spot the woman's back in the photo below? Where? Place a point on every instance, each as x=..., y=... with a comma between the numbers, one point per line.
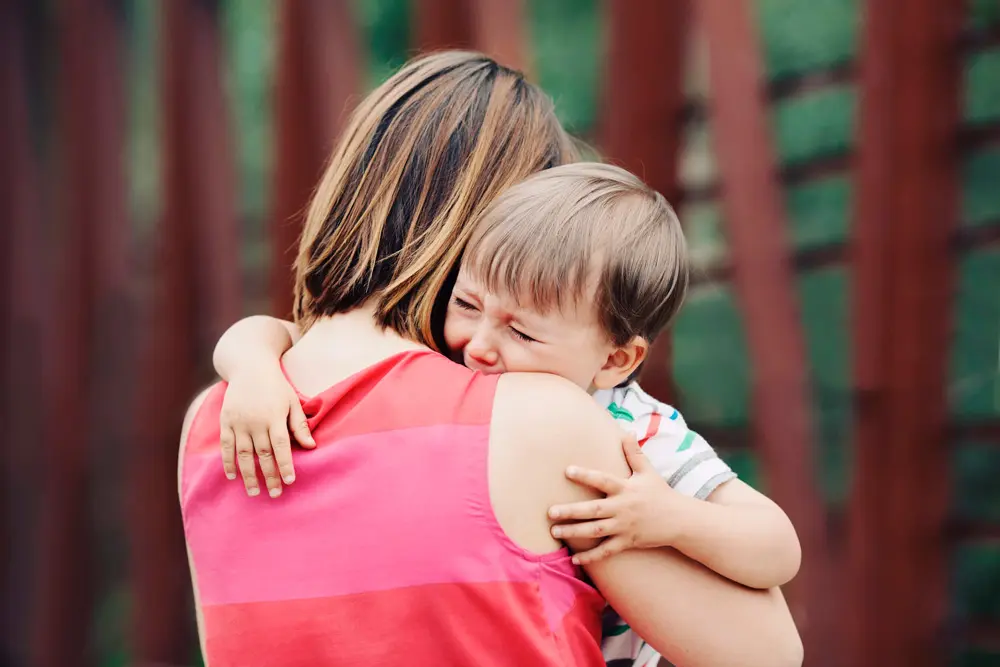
x=387, y=548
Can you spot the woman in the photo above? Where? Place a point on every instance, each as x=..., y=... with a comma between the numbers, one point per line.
x=419, y=533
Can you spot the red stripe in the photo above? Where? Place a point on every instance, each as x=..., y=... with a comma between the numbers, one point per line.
x=422, y=626
x=652, y=429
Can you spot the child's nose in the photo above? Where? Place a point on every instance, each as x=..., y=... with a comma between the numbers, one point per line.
x=481, y=349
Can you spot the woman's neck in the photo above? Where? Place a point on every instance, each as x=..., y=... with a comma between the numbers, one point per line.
x=338, y=346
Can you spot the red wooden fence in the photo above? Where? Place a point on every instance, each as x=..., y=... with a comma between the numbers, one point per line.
x=902, y=255
x=907, y=213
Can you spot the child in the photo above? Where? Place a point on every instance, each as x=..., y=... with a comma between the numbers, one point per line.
x=574, y=272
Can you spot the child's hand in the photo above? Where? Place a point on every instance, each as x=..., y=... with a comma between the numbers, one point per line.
x=258, y=411
x=637, y=512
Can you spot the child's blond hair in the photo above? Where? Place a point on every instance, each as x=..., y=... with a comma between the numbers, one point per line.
x=583, y=231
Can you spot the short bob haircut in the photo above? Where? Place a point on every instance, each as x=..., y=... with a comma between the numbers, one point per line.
x=420, y=158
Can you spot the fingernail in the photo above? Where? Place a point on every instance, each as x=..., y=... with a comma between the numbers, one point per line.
x=289, y=479
x=572, y=470
x=253, y=492
x=230, y=475
x=576, y=561
x=557, y=531
x=554, y=513
x=274, y=493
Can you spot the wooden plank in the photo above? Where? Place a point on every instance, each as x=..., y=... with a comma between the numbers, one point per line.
x=756, y=227
x=208, y=174
x=188, y=307
x=640, y=127
x=442, y=24
x=500, y=30
x=91, y=122
x=20, y=334
x=319, y=73
x=907, y=213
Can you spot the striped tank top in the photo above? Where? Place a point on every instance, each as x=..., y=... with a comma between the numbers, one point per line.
x=386, y=550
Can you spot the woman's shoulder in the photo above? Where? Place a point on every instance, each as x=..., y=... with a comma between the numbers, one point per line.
x=562, y=421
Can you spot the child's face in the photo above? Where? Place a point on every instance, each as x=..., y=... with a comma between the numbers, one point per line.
x=491, y=333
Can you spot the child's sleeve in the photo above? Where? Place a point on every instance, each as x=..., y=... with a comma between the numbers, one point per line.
x=684, y=458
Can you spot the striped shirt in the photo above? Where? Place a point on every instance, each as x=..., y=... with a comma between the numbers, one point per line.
x=685, y=460
x=386, y=551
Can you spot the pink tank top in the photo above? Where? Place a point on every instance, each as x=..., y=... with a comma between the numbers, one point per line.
x=386, y=550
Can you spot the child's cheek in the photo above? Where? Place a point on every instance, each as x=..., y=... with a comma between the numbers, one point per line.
x=454, y=336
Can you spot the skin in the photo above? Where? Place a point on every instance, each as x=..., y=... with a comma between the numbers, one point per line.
x=739, y=533
x=494, y=333
x=541, y=425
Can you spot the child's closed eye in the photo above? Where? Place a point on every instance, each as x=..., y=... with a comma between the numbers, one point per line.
x=522, y=336
x=463, y=304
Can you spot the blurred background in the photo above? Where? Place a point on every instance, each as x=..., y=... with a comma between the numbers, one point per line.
x=836, y=164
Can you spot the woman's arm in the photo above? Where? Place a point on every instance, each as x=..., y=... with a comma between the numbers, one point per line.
x=691, y=615
x=260, y=409
x=694, y=617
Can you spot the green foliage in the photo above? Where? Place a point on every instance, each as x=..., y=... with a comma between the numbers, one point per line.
x=250, y=32
x=976, y=493
x=143, y=134
x=975, y=382
x=976, y=657
x=983, y=14
x=746, y=465
x=819, y=211
x=814, y=125
x=982, y=87
x=980, y=178
x=976, y=582
x=385, y=29
x=710, y=359
x=566, y=41
x=801, y=36
x=704, y=233
x=824, y=306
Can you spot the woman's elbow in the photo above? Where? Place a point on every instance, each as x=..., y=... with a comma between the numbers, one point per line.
x=789, y=557
x=787, y=554
x=785, y=644
x=778, y=645
x=791, y=652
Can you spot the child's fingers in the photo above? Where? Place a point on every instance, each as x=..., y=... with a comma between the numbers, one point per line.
x=245, y=461
x=636, y=460
x=595, y=479
x=299, y=425
x=607, y=548
x=282, y=445
x=265, y=457
x=581, y=511
x=227, y=441
x=601, y=528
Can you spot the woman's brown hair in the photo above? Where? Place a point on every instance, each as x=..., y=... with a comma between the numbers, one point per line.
x=422, y=155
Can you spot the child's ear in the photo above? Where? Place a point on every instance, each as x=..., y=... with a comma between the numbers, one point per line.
x=621, y=363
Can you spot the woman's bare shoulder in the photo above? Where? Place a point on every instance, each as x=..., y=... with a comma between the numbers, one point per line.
x=547, y=409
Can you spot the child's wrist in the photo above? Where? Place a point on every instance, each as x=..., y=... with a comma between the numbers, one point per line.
x=683, y=515
x=254, y=371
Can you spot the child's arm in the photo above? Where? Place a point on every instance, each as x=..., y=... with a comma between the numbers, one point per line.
x=260, y=406
x=742, y=535
x=739, y=534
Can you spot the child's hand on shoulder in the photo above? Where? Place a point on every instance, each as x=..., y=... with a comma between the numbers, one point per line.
x=639, y=512
x=260, y=411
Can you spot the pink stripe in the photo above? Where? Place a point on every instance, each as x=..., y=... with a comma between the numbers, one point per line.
x=343, y=528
